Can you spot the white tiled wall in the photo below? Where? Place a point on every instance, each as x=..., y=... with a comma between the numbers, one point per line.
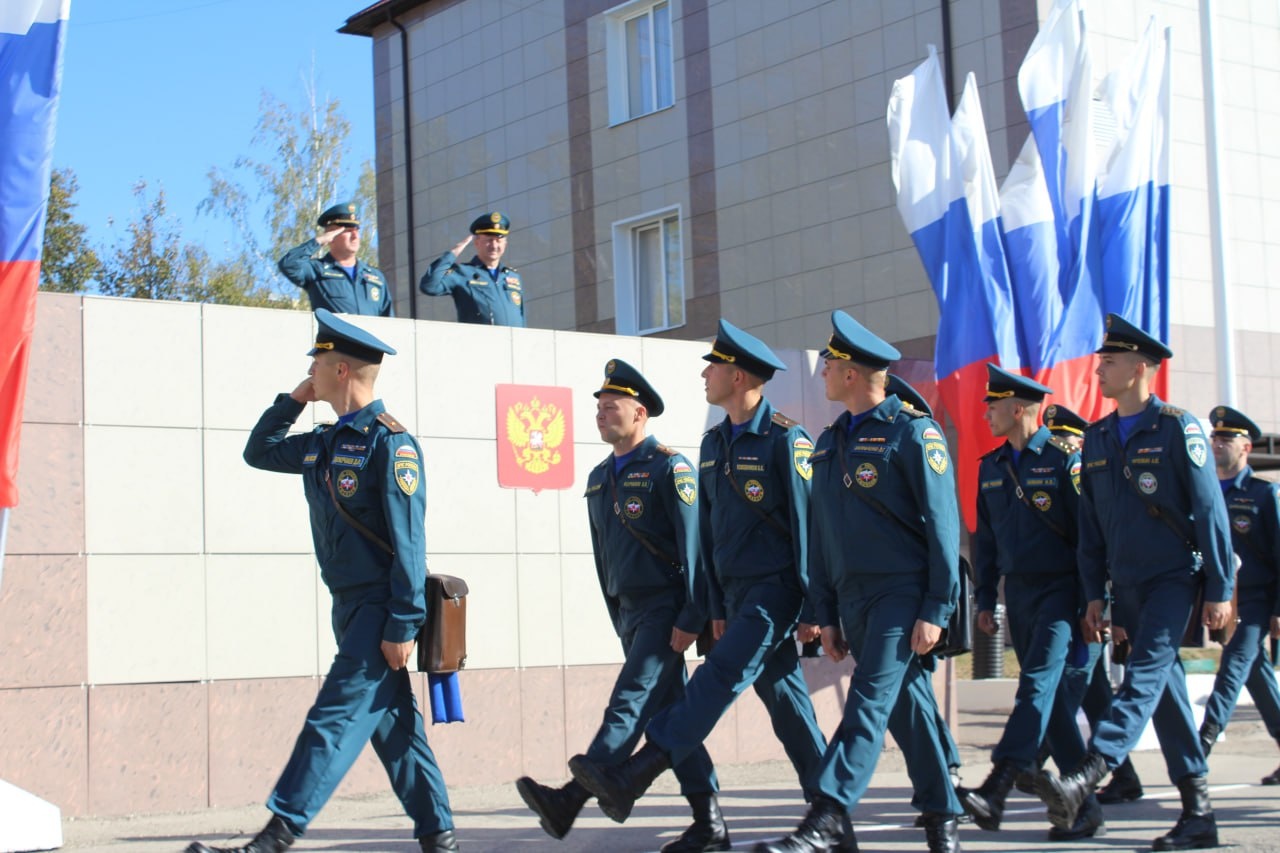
x=248, y=511
x=144, y=486
x=141, y=360
x=146, y=618
x=261, y=615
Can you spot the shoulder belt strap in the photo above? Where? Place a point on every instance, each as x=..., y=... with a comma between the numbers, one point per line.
x=354, y=522
x=728, y=473
x=390, y=422
x=874, y=503
x=1022, y=496
x=784, y=421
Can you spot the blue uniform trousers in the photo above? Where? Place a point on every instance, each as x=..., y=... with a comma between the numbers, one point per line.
x=652, y=677
x=1245, y=664
x=1155, y=685
x=756, y=650
x=1087, y=686
x=1041, y=611
x=890, y=688
x=362, y=700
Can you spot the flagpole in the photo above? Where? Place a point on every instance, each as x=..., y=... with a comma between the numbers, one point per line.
x=4, y=531
x=1223, y=334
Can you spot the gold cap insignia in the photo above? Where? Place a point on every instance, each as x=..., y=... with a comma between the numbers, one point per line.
x=610, y=367
x=495, y=217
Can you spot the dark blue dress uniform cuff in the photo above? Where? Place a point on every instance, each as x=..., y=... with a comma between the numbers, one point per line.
x=286, y=403
x=935, y=612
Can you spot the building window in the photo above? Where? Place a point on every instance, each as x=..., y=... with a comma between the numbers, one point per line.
x=649, y=273
x=639, y=59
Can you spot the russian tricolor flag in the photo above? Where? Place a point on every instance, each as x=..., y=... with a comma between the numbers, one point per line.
x=32, y=33
x=948, y=199
x=1078, y=229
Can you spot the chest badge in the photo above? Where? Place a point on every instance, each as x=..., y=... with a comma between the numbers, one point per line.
x=375, y=293
x=1042, y=501
x=754, y=491
x=1148, y=483
x=1241, y=523
x=866, y=475
x=348, y=482
x=633, y=507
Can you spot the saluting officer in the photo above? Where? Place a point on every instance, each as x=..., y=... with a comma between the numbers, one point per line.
x=1028, y=503
x=1087, y=685
x=362, y=478
x=753, y=510
x=642, y=508
x=1255, y=532
x=484, y=290
x=1153, y=518
x=338, y=281
x=884, y=578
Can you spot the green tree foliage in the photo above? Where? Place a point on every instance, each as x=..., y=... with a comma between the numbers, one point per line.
x=67, y=261
x=152, y=262
x=273, y=200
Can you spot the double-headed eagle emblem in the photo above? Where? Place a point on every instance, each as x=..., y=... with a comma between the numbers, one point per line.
x=534, y=432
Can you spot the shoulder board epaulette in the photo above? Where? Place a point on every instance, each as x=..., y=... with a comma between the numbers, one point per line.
x=390, y=423
x=1172, y=411
x=784, y=421
x=1061, y=444
x=991, y=452
x=911, y=411
x=662, y=448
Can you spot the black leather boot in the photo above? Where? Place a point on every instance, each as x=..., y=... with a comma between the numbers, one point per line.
x=985, y=803
x=618, y=787
x=848, y=842
x=1089, y=824
x=708, y=830
x=942, y=831
x=556, y=808
x=820, y=831
x=1196, y=827
x=1124, y=787
x=439, y=842
x=1274, y=778
x=1209, y=736
x=1064, y=796
x=274, y=838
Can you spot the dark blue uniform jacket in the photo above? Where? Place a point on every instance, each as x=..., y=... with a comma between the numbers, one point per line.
x=770, y=463
x=327, y=285
x=377, y=476
x=1013, y=538
x=478, y=298
x=1165, y=463
x=897, y=456
x=1254, y=507
x=656, y=494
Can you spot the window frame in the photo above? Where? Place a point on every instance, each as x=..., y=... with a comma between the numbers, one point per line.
x=616, y=65
x=626, y=289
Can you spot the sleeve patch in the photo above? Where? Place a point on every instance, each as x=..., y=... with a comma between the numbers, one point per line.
x=407, y=476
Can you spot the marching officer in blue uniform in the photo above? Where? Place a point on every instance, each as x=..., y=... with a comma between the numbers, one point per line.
x=1028, y=502
x=1254, y=507
x=484, y=290
x=362, y=478
x=1086, y=684
x=884, y=578
x=338, y=281
x=643, y=513
x=753, y=510
x=897, y=386
x=1152, y=517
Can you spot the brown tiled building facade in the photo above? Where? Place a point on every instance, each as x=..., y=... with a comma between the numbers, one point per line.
x=773, y=156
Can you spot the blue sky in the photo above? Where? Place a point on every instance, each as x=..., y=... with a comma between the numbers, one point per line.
x=162, y=90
